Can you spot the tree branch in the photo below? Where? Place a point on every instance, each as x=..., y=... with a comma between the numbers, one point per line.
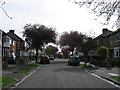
x=4, y=10
x=100, y=7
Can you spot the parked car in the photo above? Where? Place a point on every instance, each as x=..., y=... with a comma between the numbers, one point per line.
x=51, y=57
x=74, y=60
x=44, y=59
x=11, y=59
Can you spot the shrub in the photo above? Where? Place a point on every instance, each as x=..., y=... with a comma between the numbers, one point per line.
x=116, y=61
x=102, y=52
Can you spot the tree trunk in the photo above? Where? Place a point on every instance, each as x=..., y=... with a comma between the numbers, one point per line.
x=72, y=52
x=86, y=59
x=36, y=55
x=85, y=62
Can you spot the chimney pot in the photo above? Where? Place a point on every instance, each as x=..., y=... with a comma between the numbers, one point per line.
x=104, y=30
x=12, y=31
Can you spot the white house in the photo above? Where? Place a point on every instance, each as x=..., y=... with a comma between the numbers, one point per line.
x=0, y=46
x=6, y=46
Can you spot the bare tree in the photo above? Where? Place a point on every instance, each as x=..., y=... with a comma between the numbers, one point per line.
x=1, y=6
x=106, y=8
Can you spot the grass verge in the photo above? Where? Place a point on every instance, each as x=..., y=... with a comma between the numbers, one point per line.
x=65, y=59
x=81, y=65
x=88, y=66
x=33, y=65
x=5, y=81
x=22, y=70
x=115, y=78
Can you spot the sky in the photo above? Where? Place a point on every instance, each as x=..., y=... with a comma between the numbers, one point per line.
x=60, y=14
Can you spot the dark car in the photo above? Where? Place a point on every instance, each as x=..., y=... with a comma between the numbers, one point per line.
x=51, y=57
x=10, y=59
x=44, y=59
x=74, y=60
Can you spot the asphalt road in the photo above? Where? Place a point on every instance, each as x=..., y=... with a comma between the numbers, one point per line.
x=58, y=74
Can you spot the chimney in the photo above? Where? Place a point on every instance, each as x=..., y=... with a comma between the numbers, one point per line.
x=104, y=30
x=26, y=39
x=11, y=31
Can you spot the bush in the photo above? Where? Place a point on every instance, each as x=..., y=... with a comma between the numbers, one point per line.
x=102, y=52
x=116, y=61
x=98, y=63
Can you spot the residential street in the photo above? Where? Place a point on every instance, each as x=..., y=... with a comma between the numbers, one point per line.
x=58, y=74
x=40, y=40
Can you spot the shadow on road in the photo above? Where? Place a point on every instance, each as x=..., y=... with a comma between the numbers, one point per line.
x=70, y=69
x=58, y=62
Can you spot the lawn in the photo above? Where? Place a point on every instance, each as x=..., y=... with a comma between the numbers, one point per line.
x=33, y=65
x=22, y=70
x=4, y=81
x=115, y=77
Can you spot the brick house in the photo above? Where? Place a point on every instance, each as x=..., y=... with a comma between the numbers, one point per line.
x=103, y=40
x=114, y=44
x=111, y=40
x=26, y=49
x=20, y=47
x=16, y=44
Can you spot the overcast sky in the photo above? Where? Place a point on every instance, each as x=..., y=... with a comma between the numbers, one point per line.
x=61, y=14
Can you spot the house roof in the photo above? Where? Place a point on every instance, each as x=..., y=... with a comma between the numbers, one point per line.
x=105, y=33
x=14, y=36
x=2, y=31
x=118, y=30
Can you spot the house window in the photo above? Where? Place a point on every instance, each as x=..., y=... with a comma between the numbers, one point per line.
x=6, y=52
x=7, y=39
x=117, y=52
x=118, y=37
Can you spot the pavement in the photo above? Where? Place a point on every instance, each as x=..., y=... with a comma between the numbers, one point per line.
x=105, y=73
x=101, y=71
x=18, y=77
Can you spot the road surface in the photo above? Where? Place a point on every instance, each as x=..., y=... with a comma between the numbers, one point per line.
x=58, y=74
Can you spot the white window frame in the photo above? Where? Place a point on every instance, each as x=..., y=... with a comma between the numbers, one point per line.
x=117, y=52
